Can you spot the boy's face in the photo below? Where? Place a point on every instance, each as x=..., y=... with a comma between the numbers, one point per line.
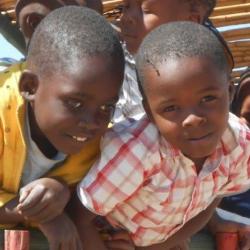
x=244, y=112
x=139, y=17
x=188, y=100
x=32, y=14
x=70, y=109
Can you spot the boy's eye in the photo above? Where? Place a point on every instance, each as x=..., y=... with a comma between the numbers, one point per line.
x=208, y=98
x=74, y=104
x=171, y=108
x=107, y=108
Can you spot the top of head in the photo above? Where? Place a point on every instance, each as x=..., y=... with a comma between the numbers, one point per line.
x=205, y=7
x=177, y=40
x=68, y=35
x=51, y=4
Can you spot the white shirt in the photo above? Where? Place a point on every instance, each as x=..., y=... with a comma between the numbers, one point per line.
x=36, y=163
x=130, y=99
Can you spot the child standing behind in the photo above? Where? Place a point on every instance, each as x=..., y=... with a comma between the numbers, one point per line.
x=158, y=174
x=137, y=20
x=56, y=111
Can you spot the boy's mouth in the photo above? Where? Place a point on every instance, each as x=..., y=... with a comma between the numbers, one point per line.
x=200, y=138
x=80, y=139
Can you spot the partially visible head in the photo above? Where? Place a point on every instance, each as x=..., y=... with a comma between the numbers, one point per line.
x=95, y=5
x=241, y=102
x=74, y=72
x=140, y=17
x=183, y=75
x=203, y=7
x=29, y=13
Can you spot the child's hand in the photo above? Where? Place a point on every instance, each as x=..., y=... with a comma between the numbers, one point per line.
x=120, y=241
x=43, y=199
x=182, y=246
x=244, y=237
x=61, y=234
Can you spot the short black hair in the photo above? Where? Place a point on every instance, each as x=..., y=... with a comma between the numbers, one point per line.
x=207, y=5
x=176, y=40
x=50, y=4
x=69, y=34
x=95, y=4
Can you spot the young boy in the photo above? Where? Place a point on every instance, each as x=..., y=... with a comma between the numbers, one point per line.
x=158, y=174
x=137, y=20
x=55, y=111
x=29, y=13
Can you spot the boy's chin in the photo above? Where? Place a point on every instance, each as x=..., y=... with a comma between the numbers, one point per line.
x=200, y=156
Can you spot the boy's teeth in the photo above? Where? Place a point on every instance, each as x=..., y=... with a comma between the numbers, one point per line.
x=80, y=139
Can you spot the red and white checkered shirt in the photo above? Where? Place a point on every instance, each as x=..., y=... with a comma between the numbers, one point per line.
x=144, y=185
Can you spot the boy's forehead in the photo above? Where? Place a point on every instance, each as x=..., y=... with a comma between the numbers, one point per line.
x=51, y=4
x=179, y=69
x=160, y=2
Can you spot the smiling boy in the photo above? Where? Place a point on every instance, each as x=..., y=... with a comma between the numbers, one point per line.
x=158, y=174
x=140, y=17
x=55, y=111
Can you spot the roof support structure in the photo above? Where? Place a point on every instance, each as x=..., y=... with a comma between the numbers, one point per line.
x=11, y=33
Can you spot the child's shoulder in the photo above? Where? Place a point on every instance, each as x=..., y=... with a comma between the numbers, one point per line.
x=9, y=91
x=131, y=131
x=11, y=75
x=237, y=134
x=237, y=125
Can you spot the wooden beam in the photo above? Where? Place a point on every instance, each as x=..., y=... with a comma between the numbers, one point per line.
x=111, y=4
x=224, y=20
x=237, y=34
x=227, y=10
x=231, y=2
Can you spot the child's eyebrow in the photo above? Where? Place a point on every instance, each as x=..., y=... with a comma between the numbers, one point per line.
x=168, y=101
x=210, y=88
x=79, y=95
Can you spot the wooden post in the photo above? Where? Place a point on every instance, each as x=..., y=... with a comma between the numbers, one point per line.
x=16, y=240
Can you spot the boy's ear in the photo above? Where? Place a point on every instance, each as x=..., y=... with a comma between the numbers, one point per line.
x=32, y=20
x=28, y=85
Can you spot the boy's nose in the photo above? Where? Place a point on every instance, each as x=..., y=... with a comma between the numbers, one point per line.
x=193, y=120
x=89, y=122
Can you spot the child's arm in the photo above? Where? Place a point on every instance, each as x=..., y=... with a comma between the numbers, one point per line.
x=61, y=233
x=189, y=229
x=43, y=199
x=83, y=220
x=39, y=201
x=120, y=240
x=9, y=213
x=218, y=224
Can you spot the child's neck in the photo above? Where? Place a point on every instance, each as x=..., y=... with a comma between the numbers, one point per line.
x=199, y=162
x=38, y=137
